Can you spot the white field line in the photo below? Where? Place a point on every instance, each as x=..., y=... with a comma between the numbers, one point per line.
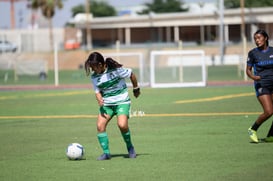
x=217, y=98
x=146, y=115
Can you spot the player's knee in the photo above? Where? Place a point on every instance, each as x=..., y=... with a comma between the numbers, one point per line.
x=100, y=129
x=123, y=127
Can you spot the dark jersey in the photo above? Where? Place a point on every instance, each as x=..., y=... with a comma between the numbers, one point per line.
x=262, y=63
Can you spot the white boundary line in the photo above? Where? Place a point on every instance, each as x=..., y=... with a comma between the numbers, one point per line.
x=146, y=115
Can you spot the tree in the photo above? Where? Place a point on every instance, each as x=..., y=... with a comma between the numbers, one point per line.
x=48, y=10
x=98, y=9
x=163, y=6
x=229, y=4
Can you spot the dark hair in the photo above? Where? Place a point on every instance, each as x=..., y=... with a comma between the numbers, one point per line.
x=96, y=58
x=263, y=32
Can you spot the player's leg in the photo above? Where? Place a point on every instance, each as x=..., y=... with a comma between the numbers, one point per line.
x=123, y=112
x=103, y=119
x=266, y=103
x=269, y=137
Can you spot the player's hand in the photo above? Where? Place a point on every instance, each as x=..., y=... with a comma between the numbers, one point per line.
x=100, y=102
x=136, y=92
x=256, y=78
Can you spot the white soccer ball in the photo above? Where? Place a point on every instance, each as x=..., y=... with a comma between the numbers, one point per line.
x=75, y=151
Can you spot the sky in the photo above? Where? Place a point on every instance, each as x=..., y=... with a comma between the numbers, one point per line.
x=22, y=13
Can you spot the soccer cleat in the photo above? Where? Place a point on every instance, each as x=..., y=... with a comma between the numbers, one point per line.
x=104, y=156
x=253, y=135
x=269, y=139
x=132, y=153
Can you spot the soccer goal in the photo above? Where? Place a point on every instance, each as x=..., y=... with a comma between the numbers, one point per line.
x=132, y=60
x=178, y=68
x=31, y=67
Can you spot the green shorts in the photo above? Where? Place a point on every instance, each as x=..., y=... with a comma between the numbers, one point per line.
x=122, y=109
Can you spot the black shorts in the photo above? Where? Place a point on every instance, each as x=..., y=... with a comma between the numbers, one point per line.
x=260, y=90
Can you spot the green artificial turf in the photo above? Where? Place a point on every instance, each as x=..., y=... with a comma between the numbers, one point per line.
x=184, y=134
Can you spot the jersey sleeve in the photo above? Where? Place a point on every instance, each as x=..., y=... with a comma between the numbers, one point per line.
x=96, y=89
x=124, y=72
x=250, y=59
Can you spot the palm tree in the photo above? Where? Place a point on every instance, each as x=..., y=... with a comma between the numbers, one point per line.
x=48, y=10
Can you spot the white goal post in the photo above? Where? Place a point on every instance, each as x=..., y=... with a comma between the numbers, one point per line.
x=178, y=68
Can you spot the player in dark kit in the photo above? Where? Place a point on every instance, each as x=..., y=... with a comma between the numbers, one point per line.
x=260, y=59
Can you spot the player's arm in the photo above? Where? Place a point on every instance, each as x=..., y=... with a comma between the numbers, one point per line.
x=98, y=94
x=250, y=73
x=99, y=99
x=136, y=89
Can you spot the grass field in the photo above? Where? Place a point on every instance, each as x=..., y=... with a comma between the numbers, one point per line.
x=186, y=134
x=215, y=73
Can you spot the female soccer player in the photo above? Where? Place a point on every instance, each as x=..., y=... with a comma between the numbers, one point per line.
x=111, y=92
x=261, y=60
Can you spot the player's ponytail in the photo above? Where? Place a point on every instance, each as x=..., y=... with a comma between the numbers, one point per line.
x=87, y=67
x=111, y=64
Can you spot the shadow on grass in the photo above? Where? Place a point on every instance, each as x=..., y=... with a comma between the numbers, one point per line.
x=126, y=155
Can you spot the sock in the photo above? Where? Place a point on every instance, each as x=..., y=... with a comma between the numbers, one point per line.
x=104, y=142
x=270, y=132
x=127, y=139
x=255, y=126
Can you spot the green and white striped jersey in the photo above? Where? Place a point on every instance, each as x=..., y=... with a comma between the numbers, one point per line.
x=112, y=86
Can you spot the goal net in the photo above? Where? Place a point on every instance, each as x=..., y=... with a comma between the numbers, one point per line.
x=132, y=60
x=178, y=68
x=30, y=67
